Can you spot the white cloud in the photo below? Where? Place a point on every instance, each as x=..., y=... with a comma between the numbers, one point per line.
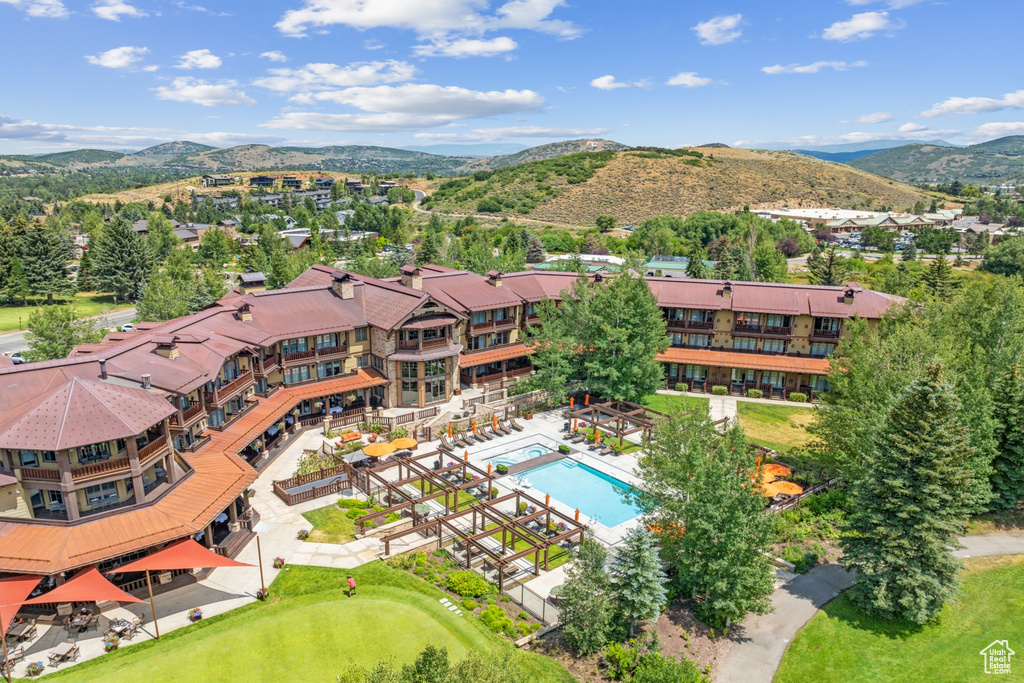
x=199, y=59
x=999, y=129
x=688, y=79
x=119, y=57
x=976, y=105
x=811, y=68
x=113, y=10
x=274, y=56
x=860, y=26
x=911, y=128
x=877, y=117
x=408, y=107
x=608, y=82
x=325, y=76
x=466, y=47
x=497, y=134
x=50, y=9
x=434, y=18
x=187, y=89
x=720, y=30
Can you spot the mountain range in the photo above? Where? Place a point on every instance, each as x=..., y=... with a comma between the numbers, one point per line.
x=987, y=163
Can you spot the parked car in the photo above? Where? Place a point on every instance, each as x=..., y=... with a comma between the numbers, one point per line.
x=17, y=358
x=127, y=327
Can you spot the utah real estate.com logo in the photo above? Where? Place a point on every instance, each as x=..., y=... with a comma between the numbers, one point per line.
x=997, y=657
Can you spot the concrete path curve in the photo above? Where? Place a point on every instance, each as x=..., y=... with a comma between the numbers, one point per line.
x=760, y=641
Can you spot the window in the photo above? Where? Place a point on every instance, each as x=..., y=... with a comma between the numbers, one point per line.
x=673, y=370
x=819, y=383
x=293, y=345
x=697, y=373
x=776, y=320
x=675, y=338
x=332, y=369
x=701, y=340
x=409, y=369
x=478, y=342
x=410, y=393
x=744, y=343
x=479, y=317
x=361, y=334
x=774, y=346
x=49, y=456
x=216, y=417
x=747, y=318
x=435, y=390
x=819, y=349
x=776, y=379
x=499, y=338
x=28, y=459
x=231, y=370
x=261, y=385
x=327, y=341
x=701, y=316
x=56, y=499
x=675, y=313
x=97, y=451
x=827, y=324
x=739, y=376
x=299, y=374
x=433, y=368
x=362, y=361
x=531, y=309
x=105, y=490
x=377, y=363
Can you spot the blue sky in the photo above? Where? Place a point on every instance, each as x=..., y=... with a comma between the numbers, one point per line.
x=125, y=74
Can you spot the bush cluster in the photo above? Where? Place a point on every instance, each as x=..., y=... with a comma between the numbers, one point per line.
x=469, y=584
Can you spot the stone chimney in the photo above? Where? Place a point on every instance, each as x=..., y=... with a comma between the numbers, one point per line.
x=727, y=289
x=412, y=277
x=147, y=381
x=494, y=278
x=252, y=282
x=168, y=348
x=848, y=295
x=245, y=313
x=343, y=286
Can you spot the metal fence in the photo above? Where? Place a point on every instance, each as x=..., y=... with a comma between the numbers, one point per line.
x=540, y=608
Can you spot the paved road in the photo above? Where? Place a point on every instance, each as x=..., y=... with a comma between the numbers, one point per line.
x=15, y=341
x=761, y=641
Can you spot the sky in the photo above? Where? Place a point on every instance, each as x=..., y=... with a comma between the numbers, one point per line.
x=127, y=74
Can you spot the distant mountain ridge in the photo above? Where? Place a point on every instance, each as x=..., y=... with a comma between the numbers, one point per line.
x=987, y=163
x=838, y=157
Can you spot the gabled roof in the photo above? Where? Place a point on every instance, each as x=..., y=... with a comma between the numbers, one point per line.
x=465, y=291
x=82, y=412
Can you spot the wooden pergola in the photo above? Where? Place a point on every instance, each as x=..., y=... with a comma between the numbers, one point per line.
x=619, y=418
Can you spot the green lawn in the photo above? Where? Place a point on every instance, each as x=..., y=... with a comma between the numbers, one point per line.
x=87, y=303
x=779, y=427
x=668, y=403
x=842, y=644
x=330, y=525
x=309, y=631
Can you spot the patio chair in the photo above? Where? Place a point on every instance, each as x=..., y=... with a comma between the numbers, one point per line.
x=462, y=440
x=94, y=623
x=482, y=434
x=606, y=450
x=515, y=425
x=578, y=438
x=594, y=445
x=503, y=429
x=446, y=443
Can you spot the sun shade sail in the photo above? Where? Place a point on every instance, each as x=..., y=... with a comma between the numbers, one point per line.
x=185, y=554
x=87, y=586
x=13, y=592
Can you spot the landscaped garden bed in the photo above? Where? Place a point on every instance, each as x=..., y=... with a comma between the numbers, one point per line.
x=335, y=523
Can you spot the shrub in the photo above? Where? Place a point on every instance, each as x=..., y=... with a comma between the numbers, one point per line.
x=620, y=660
x=562, y=448
x=353, y=503
x=355, y=513
x=469, y=605
x=421, y=559
x=681, y=387
x=495, y=619
x=755, y=393
x=469, y=584
x=502, y=469
x=392, y=517
x=403, y=562
x=494, y=493
x=798, y=396
x=399, y=433
x=719, y=390
x=655, y=668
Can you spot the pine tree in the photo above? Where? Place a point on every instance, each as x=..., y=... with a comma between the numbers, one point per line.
x=17, y=284
x=696, y=268
x=939, y=277
x=910, y=253
x=160, y=236
x=86, y=281
x=908, y=507
x=535, y=250
x=45, y=256
x=586, y=611
x=1008, y=466
x=828, y=267
x=121, y=260
x=427, y=252
x=637, y=579
x=8, y=251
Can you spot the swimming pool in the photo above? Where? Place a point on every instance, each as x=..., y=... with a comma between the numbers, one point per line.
x=533, y=450
x=594, y=493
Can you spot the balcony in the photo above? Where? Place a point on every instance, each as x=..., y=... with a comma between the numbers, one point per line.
x=492, y=325
x=700, y=324
x=101, y=469
x=747, y=327
x=329, y=351
x=679, y=325
x=778, y=330
x=268, y=364
x=756, y=328
x=153, y=450
x=40, y=474
x=298, y=355
x=221, y=395
x=188, y=417
x=824, y=334
x=424, y=344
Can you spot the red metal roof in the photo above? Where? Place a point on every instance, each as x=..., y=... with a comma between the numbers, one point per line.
x=732, y=359
x=471, y=360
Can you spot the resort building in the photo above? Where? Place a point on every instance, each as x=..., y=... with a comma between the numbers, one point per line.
x=152, y=435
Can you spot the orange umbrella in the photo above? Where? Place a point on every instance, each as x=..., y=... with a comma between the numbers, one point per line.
x=405, y=442
x=474, y=426
x=571, y=401
x=597, y=436
x=449, y=430
x=777, y=470
x=770, y=490
x=763, y=476
x=788, y=487
x=586, y=400
x=574, y=425
x=494, y=423
x=376, y=450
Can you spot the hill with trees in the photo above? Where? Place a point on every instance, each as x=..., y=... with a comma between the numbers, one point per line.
x=540, y=152
x=642, y=183
x=988, y=163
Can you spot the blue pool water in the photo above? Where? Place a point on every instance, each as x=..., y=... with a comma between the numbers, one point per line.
x=534, y=450
x=597, y=495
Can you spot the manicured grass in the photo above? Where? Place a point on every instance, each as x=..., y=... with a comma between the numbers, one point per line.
x=779, y=427
x=330, y=525
x=309, y=631
x=996, y=523
x=671, y=404
x=87, y=304
x=842, y=644
x=557, y=556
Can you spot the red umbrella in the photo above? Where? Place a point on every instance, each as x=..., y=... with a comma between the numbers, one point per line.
x=185, y=554
x=86, y=586
x=13, y=592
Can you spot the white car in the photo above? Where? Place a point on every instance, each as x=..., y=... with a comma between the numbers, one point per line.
x=127, y=327
x=16, y=358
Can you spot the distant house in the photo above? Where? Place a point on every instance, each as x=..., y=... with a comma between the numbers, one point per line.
x=671, y=266
x=188, y=236
x=217, y=180
x=218, y=201
x=262, y=181
x=382, y=201
x=291, y=182
x=324, y=182
x=142, y=226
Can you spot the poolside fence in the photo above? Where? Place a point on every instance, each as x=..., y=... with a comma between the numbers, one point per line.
x=541, y=609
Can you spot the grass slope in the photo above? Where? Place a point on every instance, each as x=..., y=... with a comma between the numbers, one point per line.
x=87, y=304
x=982, y=163
x=309, y=631
x=636, y=185
x=842, y=644
x=779, y=427
x=670, y=404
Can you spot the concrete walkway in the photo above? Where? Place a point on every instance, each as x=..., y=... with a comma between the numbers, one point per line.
x=760, y=641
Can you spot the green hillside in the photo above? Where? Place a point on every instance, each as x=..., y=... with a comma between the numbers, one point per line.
x=987, y=163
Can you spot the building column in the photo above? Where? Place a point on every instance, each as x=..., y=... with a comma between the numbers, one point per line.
x=136, y=470
x=233, y=524
x=172, y=476
x=208, y=536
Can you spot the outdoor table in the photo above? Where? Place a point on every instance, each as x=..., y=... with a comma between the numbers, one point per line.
x=19, y=631
x=79, y=623
x=120, y=627
x=63, y=651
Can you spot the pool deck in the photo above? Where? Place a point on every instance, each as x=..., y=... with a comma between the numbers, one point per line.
x=533, y=463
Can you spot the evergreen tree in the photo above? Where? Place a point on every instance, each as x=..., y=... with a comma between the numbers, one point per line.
x=1008, y=465
x=828, y=267
x=909, y=508
x=696, y=268
x=939, y=277
x=17, y=286
x=45, y=256
x=160, y=236
x=637, y=579
x=54, y=330
x=216, y=248
x=535, y=250
x=427, y=252
x=8, y=252
x=163, y=298
x=586, y=611
x=910, y=253
x=86, y=281
x=121, y=260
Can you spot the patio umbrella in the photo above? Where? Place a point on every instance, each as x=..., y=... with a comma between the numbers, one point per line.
x=777, y=470
x=597, y=436
x=571, y=401
x=586, y=400
x=770, y=490
x=494, y=422
x=375, y=450
x=185, y=554
x=449, y=430
x=405, y=442
x=13, y=592
x=763, y=476
x=788, y=487
x=474, y=426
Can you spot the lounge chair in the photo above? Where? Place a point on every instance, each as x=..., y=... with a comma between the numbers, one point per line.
x=607, y=450
x=578, y=438
x=481, y=434
x=504, y=428
x=515, y=425
x=461, y=440
x=594, y=445
x=15, y=655
x=445, y=443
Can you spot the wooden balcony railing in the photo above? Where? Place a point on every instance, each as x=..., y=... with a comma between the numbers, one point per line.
x=299, y=355
x=746, y=327
x=437, y=343
x=421, y=344
x=777, y=329
x=269, y=363
x=226, y=392
x=331, y=351
x=700, y=324
x=152, y=449
x=825, y=334
x=492, y=325
x=98, y=469
x=40, y=474
x=187, y=416
x=676, y=324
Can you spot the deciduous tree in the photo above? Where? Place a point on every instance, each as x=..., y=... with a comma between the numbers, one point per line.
x=54, y=330
x=587, y=609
